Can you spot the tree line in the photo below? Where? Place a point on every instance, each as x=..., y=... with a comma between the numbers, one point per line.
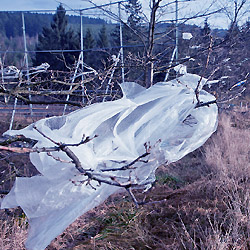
x=11, y=23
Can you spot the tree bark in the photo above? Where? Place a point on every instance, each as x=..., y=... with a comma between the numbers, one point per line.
x=149, y=67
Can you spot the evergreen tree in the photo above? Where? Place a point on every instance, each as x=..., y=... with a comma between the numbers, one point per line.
x=102, y=41
x=205, y=33
x=57, y=37
x=134, y=9
x=11, y=27
x=89, y=43
x=115, y=36
x=132, y=28
x=231, y=59
x=233, y=34
x=206, y=30
x=131, y=32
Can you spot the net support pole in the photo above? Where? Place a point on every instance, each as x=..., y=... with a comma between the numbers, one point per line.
x=13, y=114
x=170, y=64
x=2, y=75
x=72, y=81
x=121, y=43
x=26, y=61
x=81, y=57
x=176, y=32
x=111, y=76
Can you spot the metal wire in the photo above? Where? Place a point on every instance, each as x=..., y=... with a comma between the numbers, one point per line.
x=70, y=50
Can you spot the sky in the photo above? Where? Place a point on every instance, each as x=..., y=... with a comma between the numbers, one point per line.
x=186, y=9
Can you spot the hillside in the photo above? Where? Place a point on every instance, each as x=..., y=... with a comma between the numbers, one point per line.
x=11, y=23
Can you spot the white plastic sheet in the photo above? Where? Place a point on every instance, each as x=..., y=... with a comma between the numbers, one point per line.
x=187, y=36
x=166, y=111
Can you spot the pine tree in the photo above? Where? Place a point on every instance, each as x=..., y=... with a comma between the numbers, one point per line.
x=103, y=44
x=205, y=33
x=89, y=43
x=131, y=32
x=57, y=37
x=134, y=9
x=132, y=28
x=102, y=41
x=233, y=33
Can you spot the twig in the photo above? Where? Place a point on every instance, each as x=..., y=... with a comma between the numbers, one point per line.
x=83, y=141
x=189, y=238
x=74, y=159
x=58, y=158
x=232, y=97
x=128, y=166
x=202, y=104
x=127, y=183
x=40, y=132
x=23, y=150
x=68, y=151
x=197, y=92
x=129, y=190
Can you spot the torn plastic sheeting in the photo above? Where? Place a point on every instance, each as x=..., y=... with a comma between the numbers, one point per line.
x=165, y=112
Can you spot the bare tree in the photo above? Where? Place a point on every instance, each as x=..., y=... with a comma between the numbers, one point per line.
x=235, y=10
x=149, y=71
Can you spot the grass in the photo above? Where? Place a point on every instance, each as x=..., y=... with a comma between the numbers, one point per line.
x=204, y=203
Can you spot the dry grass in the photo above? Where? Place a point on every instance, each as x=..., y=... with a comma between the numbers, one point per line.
x=13, y=230
x=207, y=204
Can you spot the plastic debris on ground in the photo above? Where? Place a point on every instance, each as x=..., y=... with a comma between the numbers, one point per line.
x=164, y=115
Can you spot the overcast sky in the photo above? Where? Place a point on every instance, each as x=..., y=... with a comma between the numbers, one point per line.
x=186, y=9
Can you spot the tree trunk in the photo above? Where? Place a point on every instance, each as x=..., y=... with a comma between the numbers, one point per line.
x=149, y=68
